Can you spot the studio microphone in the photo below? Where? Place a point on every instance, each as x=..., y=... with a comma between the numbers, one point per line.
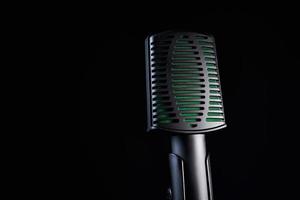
x=184, y=100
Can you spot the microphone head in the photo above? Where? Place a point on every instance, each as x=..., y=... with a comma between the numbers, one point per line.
x=183, y=83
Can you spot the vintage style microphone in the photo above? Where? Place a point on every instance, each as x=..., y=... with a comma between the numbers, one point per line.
x=184, y=100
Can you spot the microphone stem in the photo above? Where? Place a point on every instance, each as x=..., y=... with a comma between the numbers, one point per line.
x=190, y=168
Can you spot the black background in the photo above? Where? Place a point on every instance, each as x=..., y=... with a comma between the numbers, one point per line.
x=255, y=157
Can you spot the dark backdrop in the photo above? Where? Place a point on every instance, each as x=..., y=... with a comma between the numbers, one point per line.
x=255, y=157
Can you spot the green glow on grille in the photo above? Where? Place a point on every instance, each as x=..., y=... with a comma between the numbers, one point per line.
x=214, y=119
x=214, y=114
x=209, y=59
x=212, y=75
x=183, y=42
x=190, y=78
x=187, y=102
x=185, y=74
x=215, y=108
x=215, y=103
x=166, y=121
x=163, y=116
x=188, y=108
x=184, y=58
x=211, y=70
x=183, y=52
x=189, y=114
x=162, y=110
x=210, y=64
x=189, y=97
x=192, y=66
x=214, y=86
x=188, y=91
x=183, y=47
x=214, y=91
x=190, y=71
x=183, y=63
x=190, y=120
x=214, y=97
x=189, y=86
x=185, y=80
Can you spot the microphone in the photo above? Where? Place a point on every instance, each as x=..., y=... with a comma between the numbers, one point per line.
x=184, y=100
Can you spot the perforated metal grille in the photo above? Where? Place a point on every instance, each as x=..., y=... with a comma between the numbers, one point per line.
x=184, y=84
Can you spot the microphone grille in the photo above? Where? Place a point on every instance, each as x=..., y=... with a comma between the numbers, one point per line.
x=183, y=83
